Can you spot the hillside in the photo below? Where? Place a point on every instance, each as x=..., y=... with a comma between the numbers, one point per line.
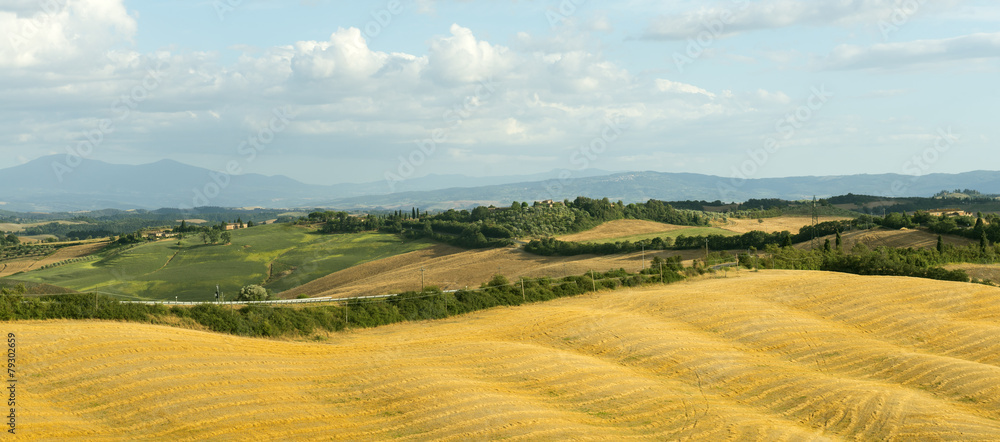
x=8, y=268
x=774, y=355
x=775, y=224
x=452, y=268
x=621, y=228
x=278, y=256
x=893, y=238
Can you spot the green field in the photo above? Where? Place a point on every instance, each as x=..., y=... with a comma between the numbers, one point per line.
x=686, y=231
x=278, y=256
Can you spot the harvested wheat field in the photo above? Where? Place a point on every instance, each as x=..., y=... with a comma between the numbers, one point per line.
x=620, y=228
x=452, y=268
x=881, y=237
x=989, y=272
x=776, y=355
x=776, y=224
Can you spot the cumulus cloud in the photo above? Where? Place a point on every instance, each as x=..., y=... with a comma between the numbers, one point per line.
x=461, y=58
x=45, y=34
x=545, y=93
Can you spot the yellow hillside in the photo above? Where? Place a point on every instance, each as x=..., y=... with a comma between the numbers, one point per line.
x=620, y=228
x=776, y=224
x=776, y=355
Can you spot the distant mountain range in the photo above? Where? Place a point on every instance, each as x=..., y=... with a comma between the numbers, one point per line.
x=91, y=185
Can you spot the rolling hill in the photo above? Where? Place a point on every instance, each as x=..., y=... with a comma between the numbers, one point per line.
x=277, y=256
x=38, y=186
x=777, y=355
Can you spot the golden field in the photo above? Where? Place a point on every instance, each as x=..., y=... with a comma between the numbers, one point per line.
x=775, y=224
x=774, y=355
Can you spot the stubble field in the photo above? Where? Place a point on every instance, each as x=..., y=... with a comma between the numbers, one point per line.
x=775, y=355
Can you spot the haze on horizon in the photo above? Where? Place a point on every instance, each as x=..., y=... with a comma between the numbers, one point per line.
x=330, y=92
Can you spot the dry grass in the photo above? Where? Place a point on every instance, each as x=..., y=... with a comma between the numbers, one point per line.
x=453, y=268
x=989, y=272
x=770, y=356
x=620, y=228
x=776, y=224
x=903, y=238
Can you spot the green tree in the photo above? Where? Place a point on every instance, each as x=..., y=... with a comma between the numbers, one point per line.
x=940, y=244
x=252, y=292
x=786, y=241
x=840, y=242
x=226, y=237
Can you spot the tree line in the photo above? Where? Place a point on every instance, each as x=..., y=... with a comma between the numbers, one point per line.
x=500, y=226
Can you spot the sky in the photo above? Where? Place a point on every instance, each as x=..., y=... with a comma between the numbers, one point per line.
x=334, y=91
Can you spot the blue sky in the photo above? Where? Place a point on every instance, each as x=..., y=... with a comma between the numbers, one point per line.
x=322, y=92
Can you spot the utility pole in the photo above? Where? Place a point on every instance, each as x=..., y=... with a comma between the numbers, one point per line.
x=661, y=272
x=593, y=281
x=815, y=220
x=523, y=299
x=421, y=279
x=643, y=245
x=706, y=253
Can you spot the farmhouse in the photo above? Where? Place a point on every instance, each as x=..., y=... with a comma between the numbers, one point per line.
x=160, y=235
x=949, y=212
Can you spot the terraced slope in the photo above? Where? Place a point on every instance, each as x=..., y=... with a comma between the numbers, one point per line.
x=776, y=355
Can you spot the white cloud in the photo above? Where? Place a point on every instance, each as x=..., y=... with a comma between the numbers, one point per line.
x=915, y=53
x=726, y=18
x=665, y=85
x=345, y=57
x=76, y=33
x=461, y=58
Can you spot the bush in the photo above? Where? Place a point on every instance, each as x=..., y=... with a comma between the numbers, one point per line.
x=252, y=292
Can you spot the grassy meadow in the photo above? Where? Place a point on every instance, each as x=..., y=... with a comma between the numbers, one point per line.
x=278, y=256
